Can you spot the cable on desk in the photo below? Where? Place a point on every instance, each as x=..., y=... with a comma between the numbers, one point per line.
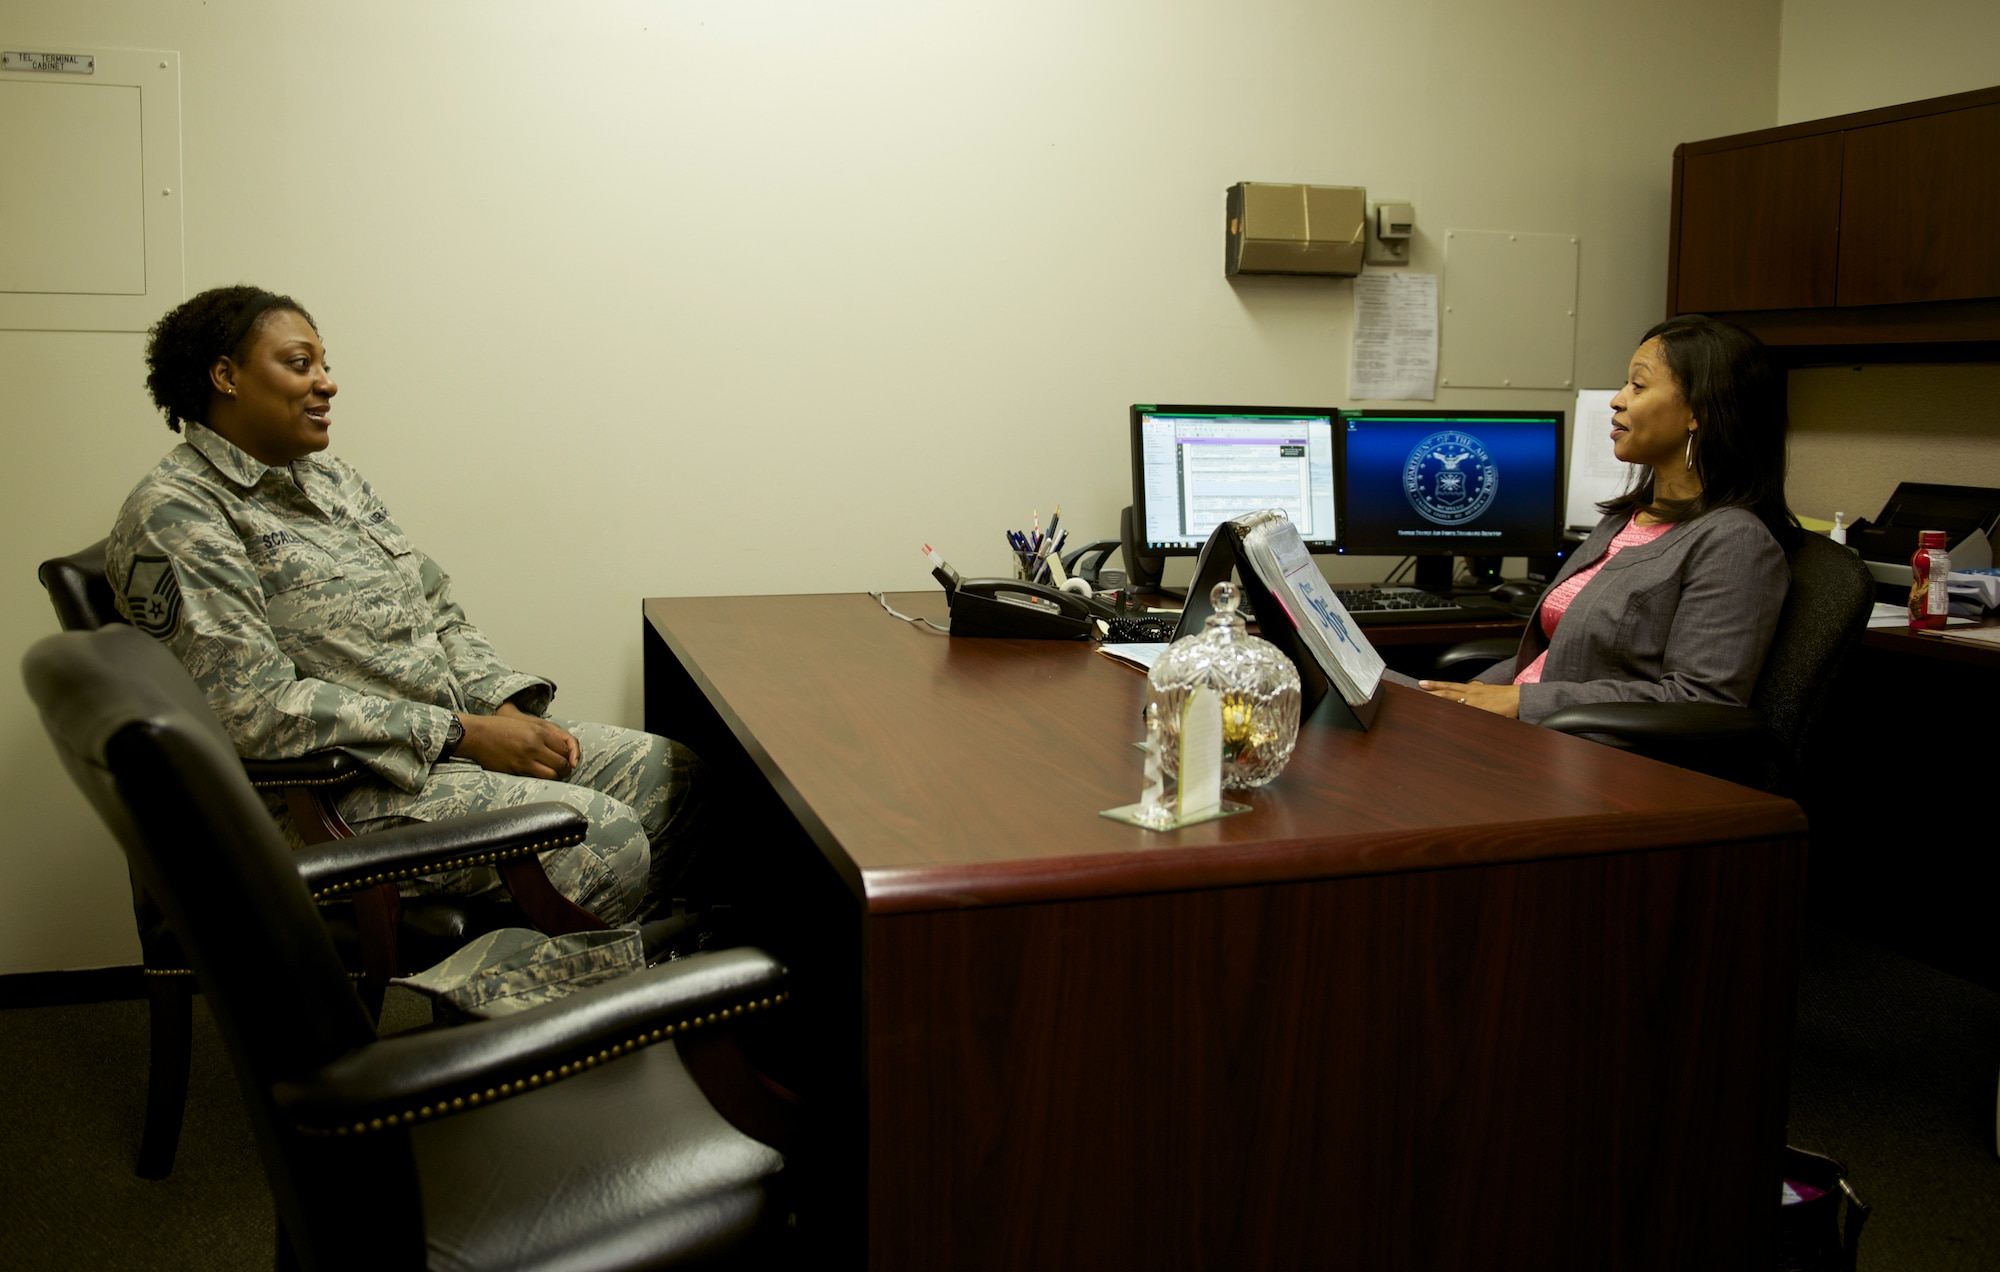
x=913, y=620
x=1143, y=629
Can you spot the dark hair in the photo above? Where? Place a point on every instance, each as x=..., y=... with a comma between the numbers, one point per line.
x=185, y=343
x=1737, y=397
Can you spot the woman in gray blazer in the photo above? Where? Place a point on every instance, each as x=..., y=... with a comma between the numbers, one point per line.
x=1675, y=594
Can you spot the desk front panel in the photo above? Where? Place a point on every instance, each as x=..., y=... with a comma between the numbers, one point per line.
x=1563, y=1064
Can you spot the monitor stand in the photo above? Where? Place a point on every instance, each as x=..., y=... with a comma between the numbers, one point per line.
x=1435, y=573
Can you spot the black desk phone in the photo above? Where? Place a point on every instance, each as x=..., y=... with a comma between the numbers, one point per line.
x=1018, y=609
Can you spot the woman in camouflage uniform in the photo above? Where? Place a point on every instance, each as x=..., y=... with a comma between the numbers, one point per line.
x=283, y=584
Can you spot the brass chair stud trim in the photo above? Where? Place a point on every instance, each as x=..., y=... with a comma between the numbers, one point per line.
x=284, y=784
x=458, y=863
x=473, y=1099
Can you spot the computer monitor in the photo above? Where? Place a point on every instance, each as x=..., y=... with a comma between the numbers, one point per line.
x=1195, y=467
x=1435, y=484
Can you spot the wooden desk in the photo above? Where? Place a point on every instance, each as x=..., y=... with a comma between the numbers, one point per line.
x=1902, y=641
x=1460, y=993
x=1906, y=702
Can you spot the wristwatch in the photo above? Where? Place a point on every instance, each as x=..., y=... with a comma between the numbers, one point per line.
x=453, y=735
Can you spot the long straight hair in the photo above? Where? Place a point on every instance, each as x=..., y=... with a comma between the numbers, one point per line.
x=1737, y=397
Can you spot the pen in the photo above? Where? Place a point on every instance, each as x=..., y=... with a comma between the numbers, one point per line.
x=1024, y=552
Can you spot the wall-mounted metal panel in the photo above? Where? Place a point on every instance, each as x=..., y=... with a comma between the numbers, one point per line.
x=90, y=188
x=1509, y=303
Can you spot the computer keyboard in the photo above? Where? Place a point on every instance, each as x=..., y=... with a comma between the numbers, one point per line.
x=1361, y=599
x=1398, y=605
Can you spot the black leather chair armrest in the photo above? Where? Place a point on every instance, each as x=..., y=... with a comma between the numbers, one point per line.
x=421, y=1076
x=321, y=768
x=406, y=852
x=1659, y=721
x=1469, y=658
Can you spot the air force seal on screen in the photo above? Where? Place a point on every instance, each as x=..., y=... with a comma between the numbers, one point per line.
x=153, y=597
x=1450, y=478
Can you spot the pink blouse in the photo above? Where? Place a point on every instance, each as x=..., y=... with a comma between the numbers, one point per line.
x=1556, y=603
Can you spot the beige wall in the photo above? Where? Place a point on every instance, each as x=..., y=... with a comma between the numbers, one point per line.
x=1857, y=431
x=749, y=295
x=1860, y=430
x=1838, y=56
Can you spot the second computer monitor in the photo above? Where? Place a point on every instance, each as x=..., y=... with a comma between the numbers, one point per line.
x=1442, y=483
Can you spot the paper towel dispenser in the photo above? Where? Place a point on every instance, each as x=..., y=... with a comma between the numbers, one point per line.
x=1295, y=229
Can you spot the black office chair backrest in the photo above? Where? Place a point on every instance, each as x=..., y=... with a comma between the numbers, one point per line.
x=1825, y=613
x=83, y=601
x=139, y=739
x=79, y=591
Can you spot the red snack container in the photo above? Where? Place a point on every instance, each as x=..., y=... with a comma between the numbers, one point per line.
x=1929, y=569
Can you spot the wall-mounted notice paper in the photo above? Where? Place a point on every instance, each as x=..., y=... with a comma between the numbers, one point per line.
x=1595, y=473
x=1395, y=338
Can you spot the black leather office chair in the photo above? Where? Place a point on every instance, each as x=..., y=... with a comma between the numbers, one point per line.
x=1762, y=744
x=380, y=933
x=569, y=1135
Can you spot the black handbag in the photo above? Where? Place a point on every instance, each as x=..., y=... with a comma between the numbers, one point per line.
x=1811, y=1234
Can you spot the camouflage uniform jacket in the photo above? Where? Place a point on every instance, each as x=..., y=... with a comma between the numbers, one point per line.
x=302, y=611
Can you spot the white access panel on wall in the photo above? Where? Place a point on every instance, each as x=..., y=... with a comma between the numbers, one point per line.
x=90, y=187
x=1509, y=310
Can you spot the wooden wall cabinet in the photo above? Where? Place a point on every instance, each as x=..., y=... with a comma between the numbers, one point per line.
x=1871, y=235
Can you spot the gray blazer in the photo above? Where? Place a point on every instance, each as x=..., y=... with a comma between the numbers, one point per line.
x=1685, y=618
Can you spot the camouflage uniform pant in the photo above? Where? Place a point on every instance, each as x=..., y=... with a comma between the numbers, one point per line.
x=642, y=794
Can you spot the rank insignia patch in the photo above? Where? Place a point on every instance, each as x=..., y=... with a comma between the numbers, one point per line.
x=153, y=597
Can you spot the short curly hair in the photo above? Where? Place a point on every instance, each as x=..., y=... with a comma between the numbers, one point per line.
x=185, y=343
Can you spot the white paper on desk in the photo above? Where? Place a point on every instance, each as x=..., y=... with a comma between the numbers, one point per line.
x=1887, y=615
x=1395, y=350
x=1595, y=471
x=1977, y=635
x=1982, y=586
x=1140, y=654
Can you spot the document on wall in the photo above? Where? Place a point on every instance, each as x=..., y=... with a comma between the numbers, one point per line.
x=1395, y=351
x=1595, y=472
